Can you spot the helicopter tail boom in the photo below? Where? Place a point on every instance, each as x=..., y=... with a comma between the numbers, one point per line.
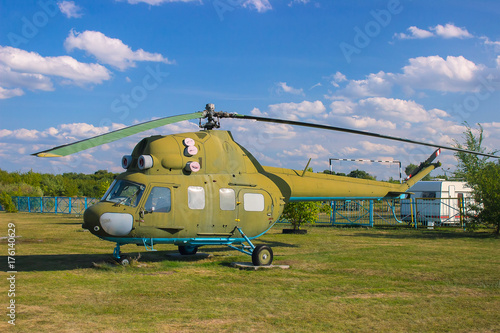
x=311, y=186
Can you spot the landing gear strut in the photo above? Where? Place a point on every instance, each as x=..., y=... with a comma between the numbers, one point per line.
x=119, y=258
x=262, y=255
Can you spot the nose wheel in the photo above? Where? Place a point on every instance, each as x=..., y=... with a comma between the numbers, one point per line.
x=262, y=255
x=119, y=258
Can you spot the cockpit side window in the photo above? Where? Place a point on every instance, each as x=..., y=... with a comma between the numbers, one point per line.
x=159, y=200
x=124, y=192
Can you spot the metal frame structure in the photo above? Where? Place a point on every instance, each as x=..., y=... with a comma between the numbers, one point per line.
x=54, y=205
x=372, y=161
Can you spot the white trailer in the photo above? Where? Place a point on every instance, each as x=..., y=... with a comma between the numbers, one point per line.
x=435, y=202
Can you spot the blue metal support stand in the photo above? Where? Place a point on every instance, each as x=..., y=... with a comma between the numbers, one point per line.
x=415, y=215
x=244, y=248
x=150, y=246
x=393, y=209
x=333, y=204
x=116, y=252
x=371, y=214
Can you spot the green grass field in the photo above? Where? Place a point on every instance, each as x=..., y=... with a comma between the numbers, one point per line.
x=347, y=280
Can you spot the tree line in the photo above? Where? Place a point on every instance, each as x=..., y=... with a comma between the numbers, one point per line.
x=34, y=184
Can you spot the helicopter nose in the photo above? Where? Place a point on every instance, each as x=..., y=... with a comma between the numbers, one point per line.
x=91, y=220
x=113, y=224
x=116, y=224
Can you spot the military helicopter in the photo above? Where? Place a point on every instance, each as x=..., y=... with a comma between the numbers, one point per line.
x=203, y=188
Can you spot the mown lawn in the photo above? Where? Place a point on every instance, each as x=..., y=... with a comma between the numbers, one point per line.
x=347, y=280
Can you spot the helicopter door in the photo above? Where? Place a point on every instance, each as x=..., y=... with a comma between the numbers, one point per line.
x=255, y=208
x=220, y=214
x=157, y=210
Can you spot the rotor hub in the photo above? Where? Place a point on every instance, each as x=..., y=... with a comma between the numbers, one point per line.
x=212, y=117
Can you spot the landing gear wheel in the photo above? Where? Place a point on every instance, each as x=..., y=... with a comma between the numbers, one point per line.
x=187, y=250
x=262, y=255
x=124, y=260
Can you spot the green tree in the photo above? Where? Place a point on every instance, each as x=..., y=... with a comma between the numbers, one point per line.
x=485, y=210
x=70, y=187
x=103, y=187
x=7, y=203
x=469, y=165
x=299, y=213
x=52, y=185
x=360, y=174
x=483, y=176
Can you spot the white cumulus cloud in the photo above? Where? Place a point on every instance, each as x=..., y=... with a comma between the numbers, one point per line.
x=20, y=69
x=294, y=111
x=260, y=6
x=415, y=33
x=8, y=93
x=453, y=74
x=282, y=86
x=451, y=31
x=63, y=66
x=447, y=31
x=450, y=74
x=374, y=85
x=337, y=78
x=392, y=108
x=70, y=9
x=111, y=51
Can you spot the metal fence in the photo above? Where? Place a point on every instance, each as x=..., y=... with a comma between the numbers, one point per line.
x=55, y=205
x=420, y=212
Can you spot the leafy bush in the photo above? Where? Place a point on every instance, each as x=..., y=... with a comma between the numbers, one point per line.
x=6, y=202
x=485, y=210
x=303, y=212
x=483, y=177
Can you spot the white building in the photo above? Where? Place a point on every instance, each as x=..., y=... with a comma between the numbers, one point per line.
x=436, y=202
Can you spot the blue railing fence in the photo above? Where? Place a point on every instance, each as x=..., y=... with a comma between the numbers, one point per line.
x=415, y=212
x=54, y=205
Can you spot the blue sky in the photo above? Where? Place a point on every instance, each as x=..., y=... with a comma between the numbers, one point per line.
x=416, y=69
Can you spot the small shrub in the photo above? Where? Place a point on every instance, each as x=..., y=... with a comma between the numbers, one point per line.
x=7, y=203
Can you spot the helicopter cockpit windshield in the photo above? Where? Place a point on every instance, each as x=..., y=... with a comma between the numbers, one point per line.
x=124, y=192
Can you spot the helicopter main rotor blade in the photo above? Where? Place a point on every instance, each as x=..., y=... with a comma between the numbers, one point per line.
x=95, y=141
x=353, y=131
